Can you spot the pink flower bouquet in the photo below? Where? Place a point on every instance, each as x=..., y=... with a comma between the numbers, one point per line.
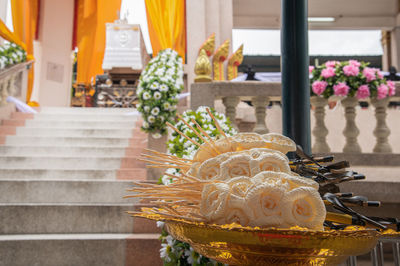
x=349, y=78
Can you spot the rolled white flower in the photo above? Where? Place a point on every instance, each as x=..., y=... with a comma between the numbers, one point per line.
x=146, y=108
x=155, y=111
x=213, y=201
x=157, y=95
x=304, y=207
x=146, y=95
x=265, y=202
x=151, y=119
x=145, y=124
x=237, y=165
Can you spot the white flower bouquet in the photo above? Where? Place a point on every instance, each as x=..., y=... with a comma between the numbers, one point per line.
x=11, y=54
x=159, y=85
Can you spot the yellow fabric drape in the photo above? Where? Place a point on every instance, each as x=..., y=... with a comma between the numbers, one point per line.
x=25, y=15
x=166, y=23
x=6, y=34
x=91, y=35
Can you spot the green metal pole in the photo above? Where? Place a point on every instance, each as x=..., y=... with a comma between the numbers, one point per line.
x=295, y=80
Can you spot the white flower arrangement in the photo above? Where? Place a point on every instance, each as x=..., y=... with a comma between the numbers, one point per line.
x=159, y=85
x=11, y=54
x=177, y=252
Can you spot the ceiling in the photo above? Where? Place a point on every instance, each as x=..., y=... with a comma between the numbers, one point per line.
x=348, y=14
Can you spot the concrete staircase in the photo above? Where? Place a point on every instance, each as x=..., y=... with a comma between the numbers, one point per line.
x=63, y=173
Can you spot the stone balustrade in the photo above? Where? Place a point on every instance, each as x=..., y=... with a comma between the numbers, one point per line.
x=13, y=81
x=261, y=93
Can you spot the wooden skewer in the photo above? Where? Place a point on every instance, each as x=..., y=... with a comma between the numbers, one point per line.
x=211, y=141
x=193, y=129
x=216, y=123
x=165, y=160
x=168, y=155
x=155, y=164
x=183, y=135
x=195, y=132
x=219, y=127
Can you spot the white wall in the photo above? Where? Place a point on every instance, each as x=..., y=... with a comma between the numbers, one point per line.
x=53, y=68
x=3, y=14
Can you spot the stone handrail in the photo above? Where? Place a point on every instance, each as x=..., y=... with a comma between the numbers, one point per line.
x=261, y=93
x=13, y=81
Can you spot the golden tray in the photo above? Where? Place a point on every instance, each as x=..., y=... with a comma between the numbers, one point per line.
x=236, y=245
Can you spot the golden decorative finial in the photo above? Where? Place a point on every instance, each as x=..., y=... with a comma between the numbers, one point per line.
x=233, y=63
x=202, y=67
x=208, y=45
x=218, y=60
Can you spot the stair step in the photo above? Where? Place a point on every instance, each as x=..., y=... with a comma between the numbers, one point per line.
x=80, y=249
x=64, y=132
x=62, y=151
x=63, y=218
x=82, y=117
x=67, y=141
x=70, y=124
x=72, y=174
x=65, y=191
x=37, y=162
x=90, y=110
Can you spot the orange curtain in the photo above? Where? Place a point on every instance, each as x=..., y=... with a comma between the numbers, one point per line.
x=91, y=35
x=167, y=25
x=6, y=34
x=25, y=19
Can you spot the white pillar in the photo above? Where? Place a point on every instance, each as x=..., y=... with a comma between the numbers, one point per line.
x=195, y=33
x=204, y=17
x=55, y=64
x=212, y=20
x=3, y=15
x=226, y=21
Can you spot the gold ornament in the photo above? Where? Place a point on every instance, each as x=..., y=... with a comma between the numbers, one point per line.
x=202, y=68
x=233, y=63
x=218, y=60
x=208, y=45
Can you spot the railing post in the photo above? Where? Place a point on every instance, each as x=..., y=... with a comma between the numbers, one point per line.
x=396, y=253
x=4, y=90
x=260, y=107
x=350, y=131
x=352, y=261
x=381, y=131
x=230, y=108
x=320, y=131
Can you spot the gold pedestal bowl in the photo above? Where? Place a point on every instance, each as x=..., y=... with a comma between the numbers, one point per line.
x=235, y=245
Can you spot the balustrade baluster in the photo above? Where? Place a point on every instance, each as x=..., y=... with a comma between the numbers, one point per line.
x=260, y=105
x=351, y=131
x=4, y=90
x=230, y=108
x=320, y=131
x=381, y=131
